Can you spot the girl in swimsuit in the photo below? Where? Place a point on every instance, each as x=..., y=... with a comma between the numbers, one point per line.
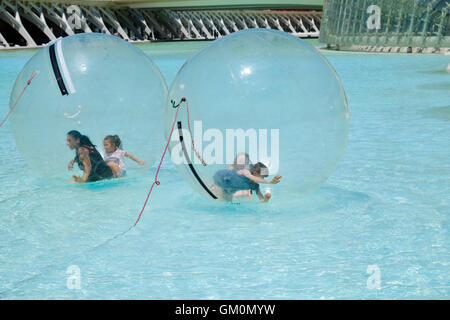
x=88, y=159
x=115, y=155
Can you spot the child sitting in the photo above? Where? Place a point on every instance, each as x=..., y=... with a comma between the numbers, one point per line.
x=114, y=155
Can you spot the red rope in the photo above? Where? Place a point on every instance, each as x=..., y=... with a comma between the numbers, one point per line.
x=18, y=98
x=192, y=137
x=162, y=157
x=156, y=182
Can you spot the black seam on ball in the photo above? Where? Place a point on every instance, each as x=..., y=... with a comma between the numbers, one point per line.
x=56, y=70
x=180, y=133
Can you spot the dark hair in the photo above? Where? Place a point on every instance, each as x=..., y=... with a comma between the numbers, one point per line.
x=84, y=140
x=115, y=140
x=247, y=159
x=260, y=169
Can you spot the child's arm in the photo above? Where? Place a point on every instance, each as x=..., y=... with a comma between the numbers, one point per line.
x=84, y=157
x=70, y=166
x=263, y=198
x=256, y=179
x=260, y=195
x=129, y=155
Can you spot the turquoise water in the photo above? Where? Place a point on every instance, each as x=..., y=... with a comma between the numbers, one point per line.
x=387, y=204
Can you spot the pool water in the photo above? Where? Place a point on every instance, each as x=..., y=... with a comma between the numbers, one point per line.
x=383, y=214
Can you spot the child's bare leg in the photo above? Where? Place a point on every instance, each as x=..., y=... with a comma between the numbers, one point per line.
x=240, y=193
x=115, y=169
x=243, y=193
x=218, y=192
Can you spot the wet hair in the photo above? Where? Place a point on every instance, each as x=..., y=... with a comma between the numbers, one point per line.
x=260, y=169
x=84, y=140
x=114, y=140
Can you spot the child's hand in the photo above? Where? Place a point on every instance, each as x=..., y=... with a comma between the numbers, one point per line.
x=77, y=179
x=142, y=163
x=267, y=197
x=275, y=180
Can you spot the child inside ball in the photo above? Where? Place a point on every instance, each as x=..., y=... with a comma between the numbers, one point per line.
x=115, y=155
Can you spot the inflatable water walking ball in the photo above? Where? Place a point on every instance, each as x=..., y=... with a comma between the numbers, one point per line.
x=96, y=84
x=257, y=95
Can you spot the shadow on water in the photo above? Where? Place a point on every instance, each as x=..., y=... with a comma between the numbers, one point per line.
x=110, y=183
x=327, y=198
x=435, y=72
x=436, y=86
x=65, y=181
x=442, y=113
